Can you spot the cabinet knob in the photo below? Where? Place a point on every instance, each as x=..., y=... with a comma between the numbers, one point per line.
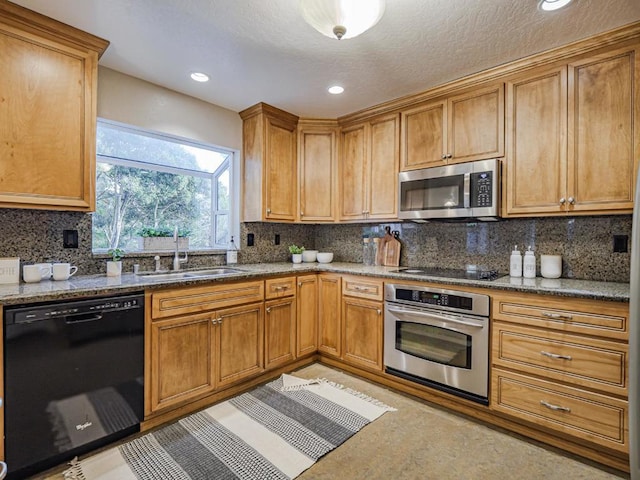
x=379, y=312
x=268, y=309
x=563, y=201
x=444, y=156
x=268, y=210
x=302, y=214
x=299, y=284
x=449, y=155
x=572, y=201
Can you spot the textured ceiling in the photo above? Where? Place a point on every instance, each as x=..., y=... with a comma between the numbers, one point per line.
x=262, y=50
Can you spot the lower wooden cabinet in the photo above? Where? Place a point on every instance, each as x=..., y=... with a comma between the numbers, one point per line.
x=239, y=337
x=192, y=355
x=280, y=332
x=307, y=315
x=561, y=365
x=362, y=332
x=182, y=359
x=329, y=315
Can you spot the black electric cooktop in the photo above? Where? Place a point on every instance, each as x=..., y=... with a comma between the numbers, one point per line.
x=477, y=274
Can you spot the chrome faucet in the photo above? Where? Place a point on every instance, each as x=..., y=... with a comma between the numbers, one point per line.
x=176, y=258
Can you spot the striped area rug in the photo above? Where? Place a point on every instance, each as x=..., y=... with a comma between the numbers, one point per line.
x=275, y=431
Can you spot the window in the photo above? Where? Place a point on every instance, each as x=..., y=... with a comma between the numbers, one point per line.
x=146, y=180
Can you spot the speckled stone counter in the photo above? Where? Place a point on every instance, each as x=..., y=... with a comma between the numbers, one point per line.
x=93, y=285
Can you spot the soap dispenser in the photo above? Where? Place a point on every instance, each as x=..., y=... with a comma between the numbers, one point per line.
x=232, y=253
x=515, y=264
x=529, y=264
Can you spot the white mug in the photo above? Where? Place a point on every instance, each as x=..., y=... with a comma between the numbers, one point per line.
x=35, y=273
x=62, y=271
x=48, y=270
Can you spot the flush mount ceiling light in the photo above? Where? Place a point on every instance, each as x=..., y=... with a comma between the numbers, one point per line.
x=336, y=90
x=342, y=19
x=550, y=5
x=199, y=77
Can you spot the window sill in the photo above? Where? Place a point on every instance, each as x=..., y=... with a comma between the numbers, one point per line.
x=163, y=253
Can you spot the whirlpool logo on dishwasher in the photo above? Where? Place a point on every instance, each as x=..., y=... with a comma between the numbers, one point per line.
x=84, y=425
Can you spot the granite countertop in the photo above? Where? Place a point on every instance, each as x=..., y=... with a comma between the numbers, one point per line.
x=90, y=285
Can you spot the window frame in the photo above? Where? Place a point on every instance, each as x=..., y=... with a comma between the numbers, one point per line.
x=232, y=162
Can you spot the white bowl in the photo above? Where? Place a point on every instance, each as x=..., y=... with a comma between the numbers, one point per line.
x=309, y=256
x=325, y=257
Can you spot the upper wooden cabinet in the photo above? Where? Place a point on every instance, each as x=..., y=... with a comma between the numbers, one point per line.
x=457, y=129
x=47, y=112
x=269, y=164
x=571, y=142
x=369, y=155
x=317, y=166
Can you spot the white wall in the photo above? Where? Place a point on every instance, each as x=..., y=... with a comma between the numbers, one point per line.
x=129, y=100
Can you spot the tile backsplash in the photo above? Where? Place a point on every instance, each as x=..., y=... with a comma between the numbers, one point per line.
x=585, y=243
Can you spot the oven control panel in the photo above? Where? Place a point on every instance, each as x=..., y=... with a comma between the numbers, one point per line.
x=448, y=300
x=435, y=298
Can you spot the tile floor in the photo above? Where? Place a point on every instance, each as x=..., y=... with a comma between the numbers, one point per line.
x=423, y=442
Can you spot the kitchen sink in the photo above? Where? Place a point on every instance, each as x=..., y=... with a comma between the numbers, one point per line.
x=209, y=272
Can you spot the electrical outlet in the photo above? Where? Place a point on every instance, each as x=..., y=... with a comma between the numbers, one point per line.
x=620, y=243
x=277, y=239
x=250, y=239
x=70, y=238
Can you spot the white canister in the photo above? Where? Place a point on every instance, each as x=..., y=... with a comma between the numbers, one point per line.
x=529, y=264
x=515, y=263
x=551, y=266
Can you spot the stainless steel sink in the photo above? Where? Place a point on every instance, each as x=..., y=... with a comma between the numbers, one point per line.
x=209, y=272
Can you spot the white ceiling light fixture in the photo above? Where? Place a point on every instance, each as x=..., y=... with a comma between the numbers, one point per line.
x=550, y=5
x=336, y=90
x=199, y=77
x=342, y=19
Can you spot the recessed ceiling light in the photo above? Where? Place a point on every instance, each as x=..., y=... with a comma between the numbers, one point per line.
x=200, y=77
x=336, y=90
x=550, y=5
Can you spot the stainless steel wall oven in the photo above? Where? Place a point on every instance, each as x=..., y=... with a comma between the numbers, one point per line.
x=438, y=338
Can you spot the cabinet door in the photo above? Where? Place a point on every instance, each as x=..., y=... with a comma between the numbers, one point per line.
x=329, y=325
x=182, y=359
x=240, y=343
x=362, y=332
x=280, y=332
x=280, y=170
x=383, y=169
x=476, y=125
x=47, y=123
x=603, y=106
x=307, y=315
x=536, y=143
x=317, y=170
x=353, y=168
x=424, y=137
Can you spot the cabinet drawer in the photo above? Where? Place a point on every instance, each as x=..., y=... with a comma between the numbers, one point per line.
x=280, y=287
x=199, y=299
x=584, y=415
x=362, y=287
x=599, y=364
x=591, y=317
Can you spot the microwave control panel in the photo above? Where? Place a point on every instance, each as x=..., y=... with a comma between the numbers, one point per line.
x=481, y=189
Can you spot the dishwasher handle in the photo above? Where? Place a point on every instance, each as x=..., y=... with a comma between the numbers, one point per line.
x=82, y=318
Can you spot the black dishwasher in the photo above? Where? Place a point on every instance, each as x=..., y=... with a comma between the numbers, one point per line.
x=74, y=378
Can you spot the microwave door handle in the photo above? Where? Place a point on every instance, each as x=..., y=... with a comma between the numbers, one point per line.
x=442, y=318
x=467, y=190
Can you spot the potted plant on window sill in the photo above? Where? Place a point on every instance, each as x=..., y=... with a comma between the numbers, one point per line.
x=161, y=238
x=114, y=266
x=296, y=253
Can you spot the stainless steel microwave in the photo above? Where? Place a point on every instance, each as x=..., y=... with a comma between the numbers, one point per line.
x=462, y=190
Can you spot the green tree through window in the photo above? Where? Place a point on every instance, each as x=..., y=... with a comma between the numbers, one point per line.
x=148, y=180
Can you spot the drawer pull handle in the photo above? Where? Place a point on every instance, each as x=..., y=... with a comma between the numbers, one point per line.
x=556, y=408
x=557, y=316
x=555, y=355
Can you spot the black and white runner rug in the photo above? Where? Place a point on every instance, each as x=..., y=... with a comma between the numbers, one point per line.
x=275, y=431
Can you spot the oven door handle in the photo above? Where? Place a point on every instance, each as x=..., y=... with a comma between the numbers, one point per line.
x=441, y=318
